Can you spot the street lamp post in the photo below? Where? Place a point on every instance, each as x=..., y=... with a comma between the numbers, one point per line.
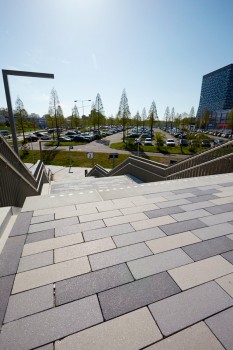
x=82, y=103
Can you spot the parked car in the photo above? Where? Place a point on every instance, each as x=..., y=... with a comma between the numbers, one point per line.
x=218, y=141
x=138, y=142
x=68, y=133
x=148, y=142
x=183, y=142
x=45, y=137
x=31, y=138
x=80, y=138
x=206, y=143
x=194, y=143
x=170, y=143
x=64, y=139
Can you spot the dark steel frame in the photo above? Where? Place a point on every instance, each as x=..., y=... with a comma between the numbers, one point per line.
x=17, y=73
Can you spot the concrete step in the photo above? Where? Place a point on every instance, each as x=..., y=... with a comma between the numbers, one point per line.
x=8, y=216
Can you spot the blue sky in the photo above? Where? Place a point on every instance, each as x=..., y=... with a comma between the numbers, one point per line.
x=155, y=49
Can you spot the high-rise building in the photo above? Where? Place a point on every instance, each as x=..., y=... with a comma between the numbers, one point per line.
x=217, y=94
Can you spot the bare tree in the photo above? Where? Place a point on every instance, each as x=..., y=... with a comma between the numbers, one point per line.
x=192, y=116
x=21, y=114
x=167, y=115
x=124, y=112
x=99, y=109
x=75, y=115
x=144, y=117
x=53, y=105
x=172, y=117
x=153, y=116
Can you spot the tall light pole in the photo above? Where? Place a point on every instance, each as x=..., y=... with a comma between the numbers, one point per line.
x=82, y=103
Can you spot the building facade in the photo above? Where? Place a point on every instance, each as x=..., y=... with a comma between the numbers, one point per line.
x=217, y=94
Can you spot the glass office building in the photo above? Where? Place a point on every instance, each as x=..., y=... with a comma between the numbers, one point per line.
x=217, y=94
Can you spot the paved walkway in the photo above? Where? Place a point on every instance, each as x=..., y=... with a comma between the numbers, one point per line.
x=132, y=266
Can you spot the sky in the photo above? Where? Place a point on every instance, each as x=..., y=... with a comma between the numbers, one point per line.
x=154, y=49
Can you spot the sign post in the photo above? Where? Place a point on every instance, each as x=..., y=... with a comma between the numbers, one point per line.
x=70, y=147
x=90, y=155
x=113, y=156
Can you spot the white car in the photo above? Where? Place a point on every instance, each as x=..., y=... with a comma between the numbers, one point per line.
x=170, y=142
x=148, y=142
x=45, y=137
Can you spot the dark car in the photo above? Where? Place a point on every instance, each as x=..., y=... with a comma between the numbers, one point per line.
x=183, y=142
x=64, y=139
x=31, y=138
x=218, y=141
x=80, y=138
x=205, y=143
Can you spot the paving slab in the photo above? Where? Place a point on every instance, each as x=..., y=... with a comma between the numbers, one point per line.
x=50, y=274
x=184, y=309
x=182, y=226
x=131, y=296
x=112, y=205
x=99, y=216
x=162, y=212
x=188, y=215
x=221, y=326
x=173, y=203
x=221, y=201
x=211, y=247
x=226, y=282
x=129, y=332
x=83, y=249
x=144, y=224
x=40, y=236
x=158, y=263
x=197, y=337
x=64, y=231
x=50, y=325
x=10, y=255
x=228, y=256
x=57, y=210
x=118, y=256
x=171, y=196
x=6, y=284
x=46, y=347
x=139, y=209
x=138, y=236
x=178, y=240
x=34, y=261
x=77, y=212
x=91, y=283
x=218, y=209
x=213, y=231
x=53, y=224
x=30, y=302
x=21, y=225
x=204, y=198
x=53, y=243
x=125, y=219
x=217, y=219
x=108, y=232
x=201, y=271
x=198, y=205
x=42, y=218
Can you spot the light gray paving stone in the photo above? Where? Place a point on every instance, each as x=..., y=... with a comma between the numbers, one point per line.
x=112, y=205
x=173, y=196
x=108, y=232
x=77, y=212
x=138, y=236
x=197, y=337
x=119, y=255
x=217, y=219
x=42, y=218
x=221, y=326
x=129, y=332
x=221, y=201
x=131, y=296
x=68, y=230
x=184, y=309
x=40, y=236
x=53, y=224
x=91, y=283
x=198, y=205
x=158, y=194
x=34, y=261
x=141, y=200
x=10, y=255
x=6, y=284
x=158, y=263
x=144, y=224
x=228, y=256
x=139, y=209
x=21, y=224
x=125, y=219
x=182, y=226
x=46, y=347
x=173, y=203
x=61, y=209
x=211, y=247
x=99, y=216
x=50, y=325
x=50, y=274
x=178, y=240
x=227, y=192
x=227, y=184
x=218, y=209
x=226, y=282
x=213, y=231
x=83, y=249
x=53, y=243
x=231, y=236
x=204, y=198
x=199, y=272
x=30, y=302
x=162, y=212
x=188, y=215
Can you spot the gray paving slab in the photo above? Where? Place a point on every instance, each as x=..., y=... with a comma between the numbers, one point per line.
x=161, y=212
x=158, y=263
x=204, y=198
x=53, y=224
x=131, y=296
x=36, y=260
x=138, y=236
x=30, y=302
x=198, y=205
x=107, y=232
x=9, y=258
x=178, y=227
x=228, y=256
x=6, y=284
x=211, y=247
x=197, y=337
x=217, y=218
x=91, y=283
x=173, y=203
x=213, y=231
x=221, y=326
x=50, y=325
x=117, y=256
x=40, y=236
x=22, y=223
x=134, y=330
x=188, y=215
x=42, y=218
x=227, y=184
x=46, y=347
x=63, y=231
x=184, y=309
x=218, y=209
